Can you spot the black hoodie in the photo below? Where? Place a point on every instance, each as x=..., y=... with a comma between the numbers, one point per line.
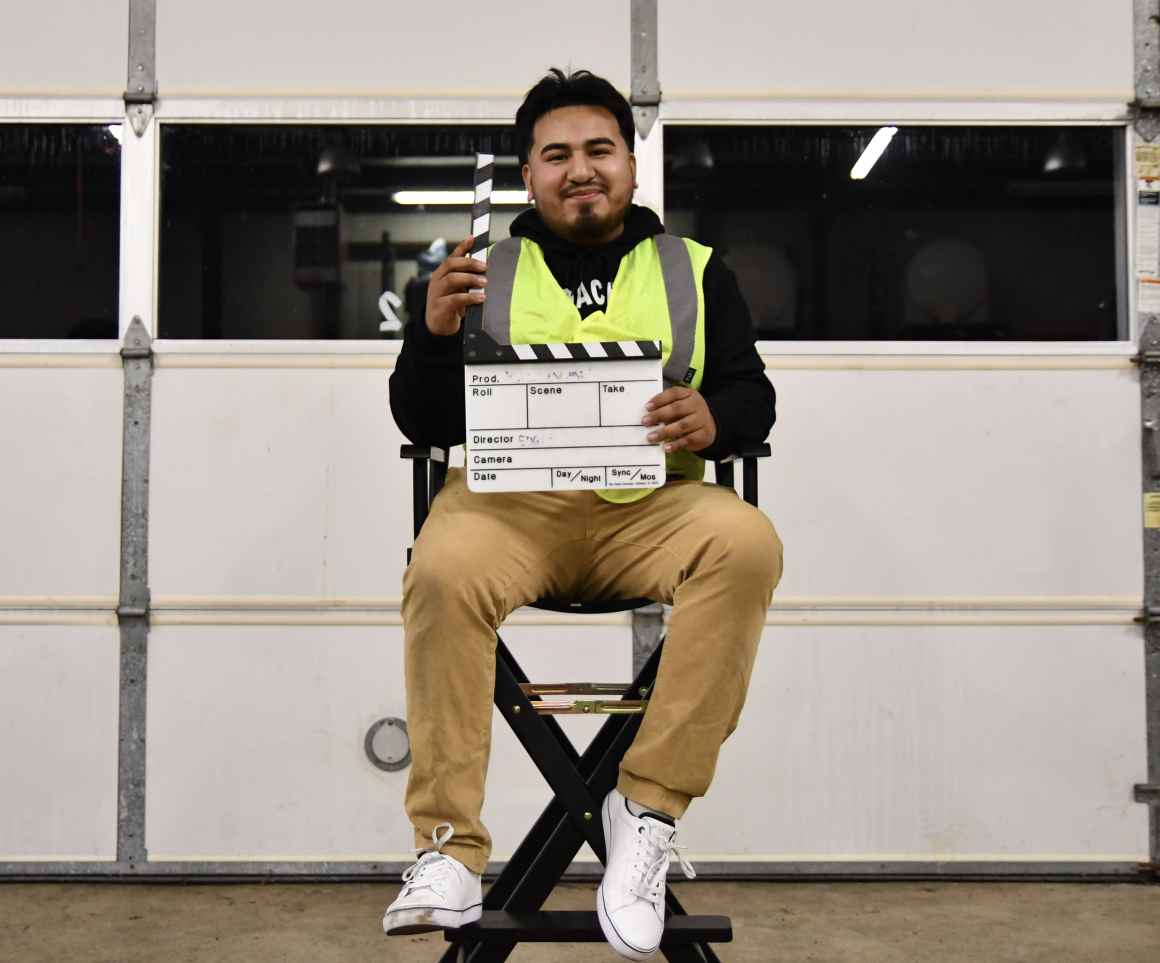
x=427, y=383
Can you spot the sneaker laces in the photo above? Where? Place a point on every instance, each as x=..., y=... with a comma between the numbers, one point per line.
x=433, y=869
x=660, y=847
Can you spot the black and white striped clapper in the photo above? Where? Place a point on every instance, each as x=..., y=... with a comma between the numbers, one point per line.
x=481, y=206
x=481, y=348
x=581, y=351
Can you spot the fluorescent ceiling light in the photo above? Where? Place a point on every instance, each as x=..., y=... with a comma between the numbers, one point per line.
x=872, y=152
x=460, y=198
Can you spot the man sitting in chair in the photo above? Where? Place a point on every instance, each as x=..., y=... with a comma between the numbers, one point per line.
x=589, y=269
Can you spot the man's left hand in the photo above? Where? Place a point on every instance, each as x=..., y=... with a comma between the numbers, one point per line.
x=685, y=417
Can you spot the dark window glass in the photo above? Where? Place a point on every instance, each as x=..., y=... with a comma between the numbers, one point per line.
x=956, y=233
x=270, y=231
x=60, y=200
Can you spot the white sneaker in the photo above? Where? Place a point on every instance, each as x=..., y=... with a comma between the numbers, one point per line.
x=438, y=892
x=630, y=900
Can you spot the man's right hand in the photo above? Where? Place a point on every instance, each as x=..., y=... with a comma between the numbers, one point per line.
x=450, y=291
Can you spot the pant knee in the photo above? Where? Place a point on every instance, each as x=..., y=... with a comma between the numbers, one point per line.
x=444, y=579
x=752, y=552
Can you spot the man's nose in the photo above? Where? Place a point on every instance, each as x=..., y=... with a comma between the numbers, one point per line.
x=580, y=170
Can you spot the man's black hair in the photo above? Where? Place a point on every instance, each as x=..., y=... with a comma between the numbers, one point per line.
x=581, y=88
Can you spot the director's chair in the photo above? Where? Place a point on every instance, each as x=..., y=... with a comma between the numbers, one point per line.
x=512, y=905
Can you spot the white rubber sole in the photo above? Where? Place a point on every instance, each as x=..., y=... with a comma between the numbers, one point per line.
x=424, y=919
x=610, y=935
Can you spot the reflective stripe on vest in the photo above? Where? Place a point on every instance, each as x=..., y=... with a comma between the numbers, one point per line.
x=681, y=292
x=525, y=304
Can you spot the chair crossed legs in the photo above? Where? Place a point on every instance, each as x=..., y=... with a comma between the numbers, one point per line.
x=512, y=911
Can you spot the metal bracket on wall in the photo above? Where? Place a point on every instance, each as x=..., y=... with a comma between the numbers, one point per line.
x=1148, y=359
x=1145, y=113
x=133, y=602
x=141, y=89
x=646, y=88
x=1146, y=121
x=1148, y=793
x=137, y=361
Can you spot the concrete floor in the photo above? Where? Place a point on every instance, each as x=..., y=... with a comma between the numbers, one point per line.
x=785, y=922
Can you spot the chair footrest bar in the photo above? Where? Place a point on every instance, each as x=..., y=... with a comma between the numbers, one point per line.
x=571, y=926
x=591, y=706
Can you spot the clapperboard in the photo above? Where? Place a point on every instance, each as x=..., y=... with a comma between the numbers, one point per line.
x=544, y=417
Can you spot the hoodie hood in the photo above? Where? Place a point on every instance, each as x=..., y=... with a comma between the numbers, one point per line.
x=574, y=266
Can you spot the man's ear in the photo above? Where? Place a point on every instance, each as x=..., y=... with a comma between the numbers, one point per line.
x=632, y=167
x=526, y=174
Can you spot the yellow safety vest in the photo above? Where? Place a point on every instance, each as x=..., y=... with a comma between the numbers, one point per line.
x=657, y=295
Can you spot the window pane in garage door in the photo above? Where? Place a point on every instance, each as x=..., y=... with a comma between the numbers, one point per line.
x=60, y=195
x=977, y=233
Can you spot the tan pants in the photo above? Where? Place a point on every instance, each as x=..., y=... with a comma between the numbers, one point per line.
x=699, y=547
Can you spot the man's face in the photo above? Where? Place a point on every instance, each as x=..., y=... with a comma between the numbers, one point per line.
x=580, y=173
